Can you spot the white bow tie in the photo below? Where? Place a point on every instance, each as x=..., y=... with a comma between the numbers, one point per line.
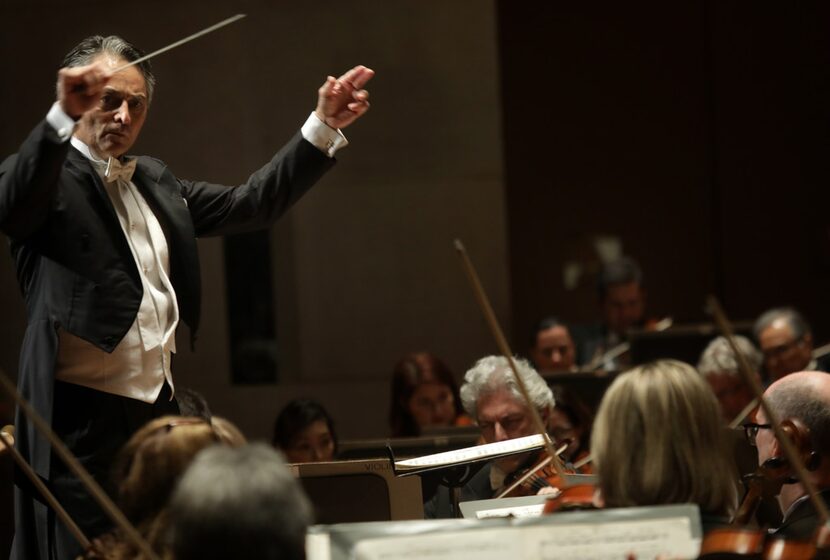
x=116, y=170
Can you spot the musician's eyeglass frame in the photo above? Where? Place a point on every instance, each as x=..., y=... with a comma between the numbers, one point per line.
x=751, y=431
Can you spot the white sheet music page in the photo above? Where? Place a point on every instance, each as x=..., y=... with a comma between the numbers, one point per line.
x=650, y=538
x=460, y=456
x=645, y=538
x=492, y=544
x=516, y=511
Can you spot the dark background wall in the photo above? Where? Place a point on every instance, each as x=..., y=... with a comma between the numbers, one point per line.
x=694, y=133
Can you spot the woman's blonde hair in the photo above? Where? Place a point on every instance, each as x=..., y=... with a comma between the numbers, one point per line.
x=148, y=468
x=658, y=439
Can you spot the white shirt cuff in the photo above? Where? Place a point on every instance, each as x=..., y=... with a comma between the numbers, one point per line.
x=328, y=140
x=63, y=124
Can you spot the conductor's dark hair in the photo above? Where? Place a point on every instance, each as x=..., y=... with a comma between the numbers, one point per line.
x=84, y=52
x=296, y=416
x=623, y=270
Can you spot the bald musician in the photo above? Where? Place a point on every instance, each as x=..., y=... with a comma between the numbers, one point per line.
x=803, y=397
x=105, y=249
x=491, y=396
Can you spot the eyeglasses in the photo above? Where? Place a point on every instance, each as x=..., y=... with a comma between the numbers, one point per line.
x=751, y=431
x=782, y=349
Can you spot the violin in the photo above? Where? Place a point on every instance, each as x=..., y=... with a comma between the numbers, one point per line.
x=530, y=481
x=743, y=542
x=565, y=491
x=575, y=497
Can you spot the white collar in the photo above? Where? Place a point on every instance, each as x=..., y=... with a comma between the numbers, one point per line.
x=79, y=145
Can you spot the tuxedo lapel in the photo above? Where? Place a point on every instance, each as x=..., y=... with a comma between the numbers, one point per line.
x=86, y=175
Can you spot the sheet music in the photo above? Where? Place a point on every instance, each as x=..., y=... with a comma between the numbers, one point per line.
x=613, y=534
x=525, y=506
x=317, y=546
x=609, y=541
x=516, y=511
x=470, y=454
x=615, y=540
x=492, y=544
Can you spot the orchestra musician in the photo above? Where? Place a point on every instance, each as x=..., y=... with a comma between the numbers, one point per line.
x=239, y=503
x=105, y=249
x=491, y=396
x=424, y=395
x=571, y=421
x=658, y=439
x=146, y=472
x=786, y=340
x=552, y=347
x=719, y=366
x=622, y=300
x=304, y=432
x=802, y=401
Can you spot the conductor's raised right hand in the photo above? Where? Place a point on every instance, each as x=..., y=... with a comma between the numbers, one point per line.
x=80, y=88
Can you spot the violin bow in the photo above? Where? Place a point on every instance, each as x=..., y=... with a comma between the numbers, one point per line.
x=738, y=420
x=94, y=489
x=45, y=492
x=584, y=461
x=180, y=42
x=714, y=308
x=504, y=348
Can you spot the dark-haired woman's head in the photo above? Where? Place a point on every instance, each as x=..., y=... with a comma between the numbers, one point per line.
x=304, y=431
x=424, y=394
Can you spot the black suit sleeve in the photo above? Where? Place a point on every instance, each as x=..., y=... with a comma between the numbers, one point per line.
x=263, y=198
x=28, y=182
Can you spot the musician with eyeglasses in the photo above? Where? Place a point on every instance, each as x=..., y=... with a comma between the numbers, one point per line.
x=802, y=401
x=786, y=341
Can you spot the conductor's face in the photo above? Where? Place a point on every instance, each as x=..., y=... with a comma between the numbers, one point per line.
x=111, y=128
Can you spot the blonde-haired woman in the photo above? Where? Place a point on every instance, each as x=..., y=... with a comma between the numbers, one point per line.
x=658, y=439
x=146, y=472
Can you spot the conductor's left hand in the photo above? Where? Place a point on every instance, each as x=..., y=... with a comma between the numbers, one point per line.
x=340, y=101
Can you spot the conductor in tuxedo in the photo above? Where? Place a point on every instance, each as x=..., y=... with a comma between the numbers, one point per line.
x=105, y=250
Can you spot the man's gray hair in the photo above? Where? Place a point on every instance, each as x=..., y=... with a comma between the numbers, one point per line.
x=718, y=357
x=492, y=374
x=799, y=399
x=84, y=52
x=794, y=319
x=622, y=270
x=239, y=503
